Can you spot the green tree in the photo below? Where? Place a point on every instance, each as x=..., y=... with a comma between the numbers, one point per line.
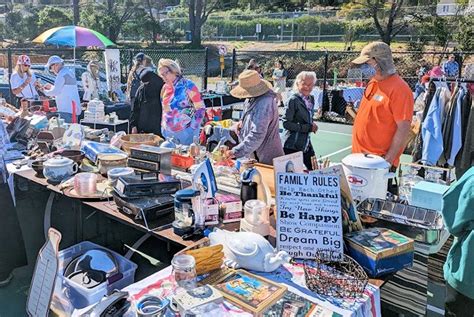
x=110, y=18
x=465, y=33
x=20, y=27
x=199, y=11
x=389, y=17
x=50, y=17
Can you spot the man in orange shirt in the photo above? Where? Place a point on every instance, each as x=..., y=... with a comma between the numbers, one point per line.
x=383, y=121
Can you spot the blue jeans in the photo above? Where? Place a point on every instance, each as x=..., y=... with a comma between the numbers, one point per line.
x=67, y=117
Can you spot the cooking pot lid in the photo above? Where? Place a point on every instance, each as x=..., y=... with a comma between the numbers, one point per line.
x=368, y=161
x=58, y=161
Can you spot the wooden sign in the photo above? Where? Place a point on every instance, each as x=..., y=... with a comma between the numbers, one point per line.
x=308, y=214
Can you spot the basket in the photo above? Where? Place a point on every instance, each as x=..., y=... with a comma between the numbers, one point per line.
x=343, y=279
x=134, y=140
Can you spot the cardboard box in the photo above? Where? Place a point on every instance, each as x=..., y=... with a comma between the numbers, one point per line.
x=428, y=195
x=380, y=251
x=230, y=208
x=212, y=212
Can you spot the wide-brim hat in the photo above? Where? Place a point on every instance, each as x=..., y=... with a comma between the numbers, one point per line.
x=250, y=85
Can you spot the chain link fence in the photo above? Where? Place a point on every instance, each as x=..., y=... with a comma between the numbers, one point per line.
x=330, y=66
x=336, y=66
x=194, y=63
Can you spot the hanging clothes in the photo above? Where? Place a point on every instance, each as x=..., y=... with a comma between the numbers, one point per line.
x=431, y=130
x=448, y=126
x=418, y=147
x=456, y=141
x=465, y=157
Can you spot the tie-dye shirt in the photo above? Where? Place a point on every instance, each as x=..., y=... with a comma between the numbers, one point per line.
x=182, y=106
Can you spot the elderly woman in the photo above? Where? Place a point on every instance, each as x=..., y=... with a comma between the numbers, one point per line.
x=91, y=82
x=64, y=90
x=298, y=119
x=259, y=132
x=183, y=108
x=23, y=81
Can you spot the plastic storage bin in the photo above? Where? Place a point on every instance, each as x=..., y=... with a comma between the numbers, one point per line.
x=70, y=295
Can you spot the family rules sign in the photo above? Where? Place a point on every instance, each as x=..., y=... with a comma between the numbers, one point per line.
x=308, y=214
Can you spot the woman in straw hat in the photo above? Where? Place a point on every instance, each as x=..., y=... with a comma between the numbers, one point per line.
x=259, y=131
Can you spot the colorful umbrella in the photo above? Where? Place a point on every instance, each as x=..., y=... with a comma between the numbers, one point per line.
x=73, y=36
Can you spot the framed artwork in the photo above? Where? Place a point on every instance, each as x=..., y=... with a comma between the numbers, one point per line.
x=251, y=292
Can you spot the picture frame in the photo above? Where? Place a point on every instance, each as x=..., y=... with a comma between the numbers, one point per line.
x=251, y=292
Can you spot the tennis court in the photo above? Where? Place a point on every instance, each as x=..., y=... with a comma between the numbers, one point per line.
x=332, y=141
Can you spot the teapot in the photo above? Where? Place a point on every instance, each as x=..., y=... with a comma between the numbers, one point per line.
x=248, y=250
x=59, y=168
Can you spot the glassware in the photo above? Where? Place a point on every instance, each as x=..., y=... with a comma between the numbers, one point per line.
x=184, y=271
x=85, y=183
x=434, y=176
x=408, y=181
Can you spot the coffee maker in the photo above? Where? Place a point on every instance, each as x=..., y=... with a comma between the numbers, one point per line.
x=252, y=184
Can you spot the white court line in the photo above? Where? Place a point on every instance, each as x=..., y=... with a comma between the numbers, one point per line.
x=335, y=132
x=337, y=152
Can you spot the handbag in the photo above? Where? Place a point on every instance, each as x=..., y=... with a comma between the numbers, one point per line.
x=19, y=130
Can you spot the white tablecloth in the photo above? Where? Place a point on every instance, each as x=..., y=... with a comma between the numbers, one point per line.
x=158, y=284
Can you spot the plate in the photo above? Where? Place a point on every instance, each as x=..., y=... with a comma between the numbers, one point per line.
x=73, y=136
x=104, y=191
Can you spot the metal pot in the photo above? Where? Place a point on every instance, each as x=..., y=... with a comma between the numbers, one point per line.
x=367, y=175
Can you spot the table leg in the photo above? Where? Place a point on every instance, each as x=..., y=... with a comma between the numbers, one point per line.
x=47, y=213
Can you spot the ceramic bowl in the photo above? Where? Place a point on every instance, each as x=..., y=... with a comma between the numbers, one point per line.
x=75, y=155
x=134, y=140
x=37, y=166
x=111, y=160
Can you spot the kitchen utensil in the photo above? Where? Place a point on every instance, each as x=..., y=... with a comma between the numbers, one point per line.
x=75, y=155
x=134, y=140
x=85, y=183
x=111, y=160
x=59, y=168
x=37, y=166
x=114, y=173
x=367, y=175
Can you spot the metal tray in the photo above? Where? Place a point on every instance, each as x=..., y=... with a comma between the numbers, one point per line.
x=421, y=224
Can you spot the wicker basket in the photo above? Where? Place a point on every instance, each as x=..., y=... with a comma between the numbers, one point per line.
x=343, y=279
x=134, y=140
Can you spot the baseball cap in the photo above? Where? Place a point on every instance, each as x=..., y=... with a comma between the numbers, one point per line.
x=379, y=51
x=53, y=60
x=23, y=60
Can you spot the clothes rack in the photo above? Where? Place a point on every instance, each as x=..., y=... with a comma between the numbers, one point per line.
x=468, y=81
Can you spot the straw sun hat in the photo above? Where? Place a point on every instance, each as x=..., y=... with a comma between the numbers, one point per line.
x=250, y=85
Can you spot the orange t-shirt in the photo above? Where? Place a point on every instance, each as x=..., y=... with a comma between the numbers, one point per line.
x=384, y=104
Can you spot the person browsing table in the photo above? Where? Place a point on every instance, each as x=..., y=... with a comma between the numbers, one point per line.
x=258, y=130
x=383, y=121
x=183, y=108
x=64, y=90
x=298, y=118
x=23, y=81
